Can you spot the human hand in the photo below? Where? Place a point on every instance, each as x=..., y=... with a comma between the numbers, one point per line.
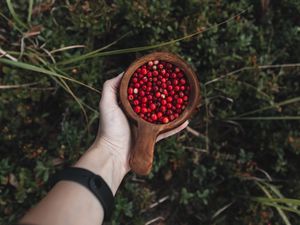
x=110, y=152
x=114, y=129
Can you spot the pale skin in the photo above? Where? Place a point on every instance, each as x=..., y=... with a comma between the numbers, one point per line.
x=69, y=203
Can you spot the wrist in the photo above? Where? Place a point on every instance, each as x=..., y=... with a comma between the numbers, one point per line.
x=101, y=160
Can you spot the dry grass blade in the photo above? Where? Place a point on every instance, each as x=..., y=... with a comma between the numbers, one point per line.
x=5, y=54
x=15, y=86
x=216, y=214
x=268, y=118
x=279, y=210
x=276, y=105
x=252, y=68
x=67, y=48
x=30, y=67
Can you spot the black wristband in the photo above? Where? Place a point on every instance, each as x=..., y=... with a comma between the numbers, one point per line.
x=91, y=181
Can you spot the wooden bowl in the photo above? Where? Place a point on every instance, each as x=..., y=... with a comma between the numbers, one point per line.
x=145, y=133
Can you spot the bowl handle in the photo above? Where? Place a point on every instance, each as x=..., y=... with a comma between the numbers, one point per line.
x=142, y=151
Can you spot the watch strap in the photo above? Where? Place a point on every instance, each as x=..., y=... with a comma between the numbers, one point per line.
x=91, y=181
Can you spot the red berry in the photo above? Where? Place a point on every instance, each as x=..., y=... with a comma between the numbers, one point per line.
x=163, y=102
x=154, y=117
x=155, y=73
x=136, y=102
x=185, y=98
x=179, y=100
x=130, y=91
x=177, y=88
x=159, y=115
x=178, y=106
x=165, y=120
x=157, y=94
x=169, y=99
x=137, y=109
x=130, y=97
x=144, y=99
x=175, y=82
x=142, y=93
x=170, y=87
x=163, y=108
x=144, y=110
x=152, y=106
x=169, y=105
x=144, y=71
x=182, y=81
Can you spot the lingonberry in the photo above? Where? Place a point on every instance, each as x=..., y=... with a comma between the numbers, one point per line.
x=165, y=120
x=158, y=92
x=154, y=117
x=130, y=91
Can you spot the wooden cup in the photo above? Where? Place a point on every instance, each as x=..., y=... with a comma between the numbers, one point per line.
x=145, y=133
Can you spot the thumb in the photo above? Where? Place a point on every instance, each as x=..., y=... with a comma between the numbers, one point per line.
x=110, y=89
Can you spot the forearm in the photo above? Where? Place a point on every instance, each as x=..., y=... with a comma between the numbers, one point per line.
x=71, y=203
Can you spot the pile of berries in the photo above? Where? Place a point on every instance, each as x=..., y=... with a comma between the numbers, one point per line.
x=158, y=92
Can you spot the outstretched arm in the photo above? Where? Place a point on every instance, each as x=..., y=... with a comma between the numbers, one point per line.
x=69, y=203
